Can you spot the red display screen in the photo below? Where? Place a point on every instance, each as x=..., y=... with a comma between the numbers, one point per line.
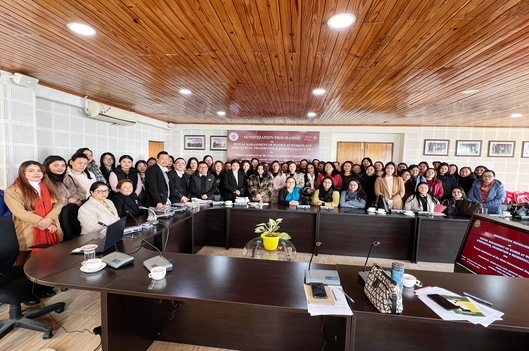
x=492, y=247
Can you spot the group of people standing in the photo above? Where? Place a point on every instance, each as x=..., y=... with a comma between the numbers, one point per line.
x=46, y=197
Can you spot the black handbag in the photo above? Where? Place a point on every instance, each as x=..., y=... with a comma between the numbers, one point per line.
x=467, y=207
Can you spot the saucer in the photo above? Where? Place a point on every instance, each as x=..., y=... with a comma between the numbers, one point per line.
x=409, y=214
x=86, y=270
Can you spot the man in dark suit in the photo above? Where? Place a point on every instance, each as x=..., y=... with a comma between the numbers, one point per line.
x=202, y=184
x=233, y=182
x=157, y=182
x=179, y=182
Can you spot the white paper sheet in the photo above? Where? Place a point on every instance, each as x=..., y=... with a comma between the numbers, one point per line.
x=340, y=307
x=491, y=314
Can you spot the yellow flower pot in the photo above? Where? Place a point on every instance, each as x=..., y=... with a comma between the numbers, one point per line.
x=270, y=242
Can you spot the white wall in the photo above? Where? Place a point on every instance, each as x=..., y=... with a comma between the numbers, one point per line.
x=47, y=121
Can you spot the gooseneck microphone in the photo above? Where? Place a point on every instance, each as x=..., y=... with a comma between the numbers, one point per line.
x=116, y=259
x=318, y=243
x=152, y=218
x=132, y=230
x=327, y=277
x=375, y=243
x=363, y=274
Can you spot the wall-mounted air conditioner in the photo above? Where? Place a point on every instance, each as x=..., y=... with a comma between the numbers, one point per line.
x=109, y=114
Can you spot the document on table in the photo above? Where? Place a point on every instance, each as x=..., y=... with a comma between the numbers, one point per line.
x=340, y=307
x=490, y=314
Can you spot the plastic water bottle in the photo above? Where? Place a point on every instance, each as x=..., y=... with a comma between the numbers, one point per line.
x=261, y=201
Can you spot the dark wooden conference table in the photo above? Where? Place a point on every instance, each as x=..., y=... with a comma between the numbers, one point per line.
x=260, y=305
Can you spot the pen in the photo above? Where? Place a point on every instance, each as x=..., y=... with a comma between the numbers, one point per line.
x=349, y=297
x=477, y=299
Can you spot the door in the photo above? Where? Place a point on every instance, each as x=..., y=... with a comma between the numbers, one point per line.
x=155, y=147
x=356, y=151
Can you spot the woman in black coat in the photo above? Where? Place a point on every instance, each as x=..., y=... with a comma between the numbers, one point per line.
x=232, y=188
x=449, y=181
x=368, y=184
x=466, y=178
x=126, y=200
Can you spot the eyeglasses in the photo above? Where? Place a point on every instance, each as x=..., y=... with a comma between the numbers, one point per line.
x=101, y=191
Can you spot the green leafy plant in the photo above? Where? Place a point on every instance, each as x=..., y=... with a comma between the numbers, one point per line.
x=271, y=229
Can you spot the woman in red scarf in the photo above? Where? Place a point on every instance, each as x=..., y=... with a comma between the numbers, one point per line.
x=35, y=206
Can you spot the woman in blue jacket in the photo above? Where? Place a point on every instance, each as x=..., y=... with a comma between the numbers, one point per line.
x=354, y=196
x=488, y=191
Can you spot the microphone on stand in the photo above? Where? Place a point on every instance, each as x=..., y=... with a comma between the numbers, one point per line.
x=116, y=259
x=318, y=243
x=152, y=218
x=327, y=277
x=132, y=230
x=363, y=274
x=156, y=261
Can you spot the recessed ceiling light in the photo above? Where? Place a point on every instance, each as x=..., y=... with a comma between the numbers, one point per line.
x=185, y=91
x=311, y=114
x=516, y=115
x=318, y=91
x=221, y=113
x=470, y=91
x=82, y=29
x=341, y=21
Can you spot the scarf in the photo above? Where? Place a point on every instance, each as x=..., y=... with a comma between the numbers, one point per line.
x=326, y=196
x=42, y=208
x=349, y=196
x=294, y=195
x=484, y=190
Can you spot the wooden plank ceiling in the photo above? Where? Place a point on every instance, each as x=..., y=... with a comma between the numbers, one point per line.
x=404, y=62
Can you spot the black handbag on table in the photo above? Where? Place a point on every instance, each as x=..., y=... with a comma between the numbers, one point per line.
x=383, y=291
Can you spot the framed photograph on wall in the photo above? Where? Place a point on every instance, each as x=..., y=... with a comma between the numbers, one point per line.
x=525, y=149
x=501, y=148
x=468, y=148
x=194, y=142
x=218, y=143
x=436, y=147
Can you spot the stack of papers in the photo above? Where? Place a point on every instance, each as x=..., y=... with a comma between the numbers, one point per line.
x=340, y=306
x=476, y=313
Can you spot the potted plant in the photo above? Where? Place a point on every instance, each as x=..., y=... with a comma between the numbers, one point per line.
x=270, y=233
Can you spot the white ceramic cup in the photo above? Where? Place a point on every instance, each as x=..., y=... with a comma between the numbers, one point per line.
x=228, y=202
x=409, y=281
x=381, y=210
x=409, y=213
x=93, y=264
x=158, y=273
x=371, y=209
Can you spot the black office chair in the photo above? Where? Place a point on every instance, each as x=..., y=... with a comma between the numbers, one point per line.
x=70, y=225
x=15, y=288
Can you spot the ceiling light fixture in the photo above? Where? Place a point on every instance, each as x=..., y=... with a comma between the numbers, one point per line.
x=516, y=115
x=341, y=21
x=470, y=91
x=82, y=29
x=185, y=92
x=318, y=91
x=311, y=114
x=221, y=113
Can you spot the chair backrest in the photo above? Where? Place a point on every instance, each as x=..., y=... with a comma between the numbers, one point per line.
x=70, y=225
x=8, y=242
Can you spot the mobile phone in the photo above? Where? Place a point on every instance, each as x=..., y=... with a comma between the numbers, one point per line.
x=318, y=291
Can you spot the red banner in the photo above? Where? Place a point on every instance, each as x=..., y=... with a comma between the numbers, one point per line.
x=268, y=146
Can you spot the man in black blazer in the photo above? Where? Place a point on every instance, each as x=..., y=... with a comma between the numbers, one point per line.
x=202, y=184
x=179, y=182
x=233, y=182
x=157, y=182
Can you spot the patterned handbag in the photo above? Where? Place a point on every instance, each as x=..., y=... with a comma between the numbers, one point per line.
x=383, y=291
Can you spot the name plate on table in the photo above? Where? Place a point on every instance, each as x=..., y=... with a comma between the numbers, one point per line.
x=327, y=208
x=303, y=207
x=425, y=213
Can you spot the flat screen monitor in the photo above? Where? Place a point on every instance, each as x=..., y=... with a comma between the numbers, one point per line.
x=494, y=246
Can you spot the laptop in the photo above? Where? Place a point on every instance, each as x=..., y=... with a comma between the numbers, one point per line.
x=113, y=236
